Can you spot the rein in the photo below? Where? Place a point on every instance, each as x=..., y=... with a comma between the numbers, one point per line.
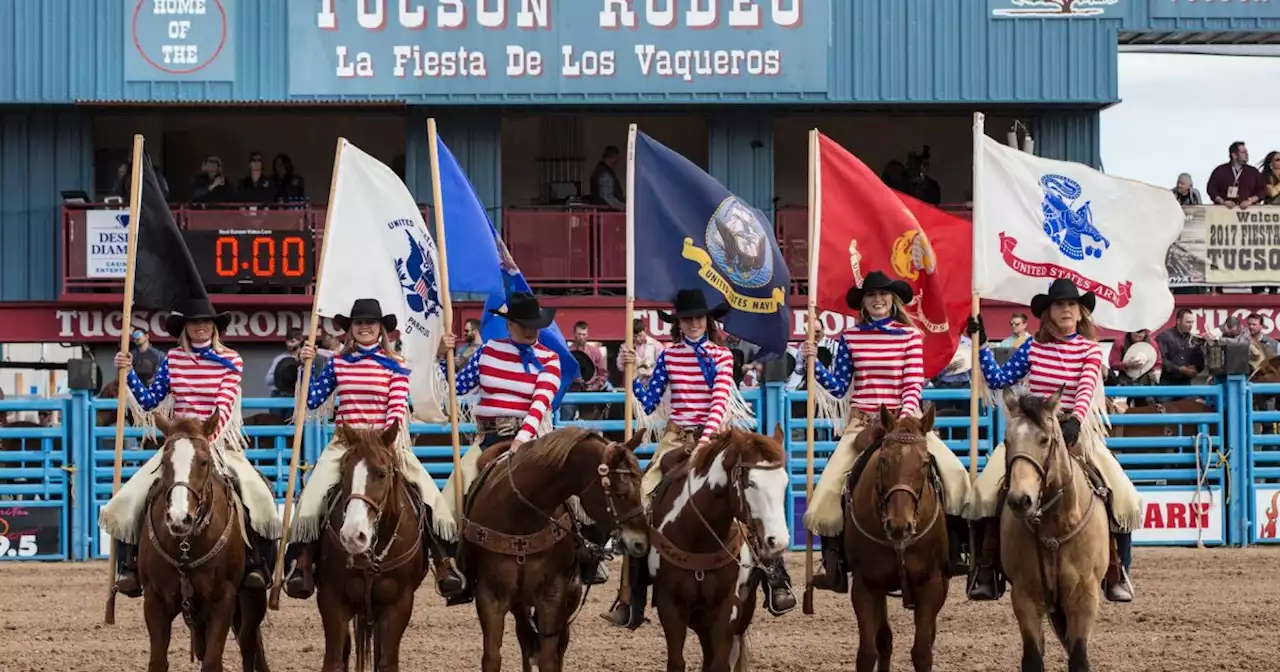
x=204, y=516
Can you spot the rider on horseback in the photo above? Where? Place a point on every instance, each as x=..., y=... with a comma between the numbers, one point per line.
x=371, y=387
x=517, y=378
x=881, y=363
x=1063, y=355
x=698, y=372
x=198, y=378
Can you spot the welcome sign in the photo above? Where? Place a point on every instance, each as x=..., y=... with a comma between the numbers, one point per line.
x=529, y=47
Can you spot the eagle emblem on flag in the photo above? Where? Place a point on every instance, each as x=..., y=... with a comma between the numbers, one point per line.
x=418, y=278
x=1068, y=227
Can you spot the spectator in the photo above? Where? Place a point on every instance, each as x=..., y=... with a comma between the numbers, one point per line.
x=1140, y=366
x=277, y=383
x=895, y=175
x=123, y=187
x=1233, y=331
x=747, y=353
x=606, y=189
x=956, y=375
x=923, y=187
x=290, y=187
x=146, y=358
x=1018, y=323
x=599, y=381
x=1236, y=183
x=329, y=348
x=257, y=186
x=210, y=185
x=1269, y=346
x=1120, y=351
x=1185, y=191
x=647, y=351
x=471, y=342
x=1271, y=179
x=1181, y=352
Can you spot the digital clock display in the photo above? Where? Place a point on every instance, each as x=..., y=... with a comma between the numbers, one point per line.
x=249, y=257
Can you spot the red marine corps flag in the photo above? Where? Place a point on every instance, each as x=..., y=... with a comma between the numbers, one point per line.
x=865, y=226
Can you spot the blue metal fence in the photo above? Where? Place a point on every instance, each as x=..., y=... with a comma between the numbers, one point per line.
x=1208, y=474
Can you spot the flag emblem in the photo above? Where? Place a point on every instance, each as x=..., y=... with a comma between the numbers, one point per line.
x=738, y=243
x=911, y=253
x=418, y=277
x=1066, y=226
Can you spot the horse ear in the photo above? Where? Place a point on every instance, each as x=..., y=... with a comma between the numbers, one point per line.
x=390, y=434
x=1011, y=402
x=778, y=434
x=926, y=423
x=886, y=418
x=210, y=424
x=1055, y=398
x=163, y=425
x=340, y=433
x=634, y=442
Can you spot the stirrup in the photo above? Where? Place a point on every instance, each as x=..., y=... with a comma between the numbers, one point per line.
x=779, y=600
x=127, y=584
x=624, y=616
x=989, y=590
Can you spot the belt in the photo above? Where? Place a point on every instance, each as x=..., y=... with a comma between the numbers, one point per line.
x=499, y=426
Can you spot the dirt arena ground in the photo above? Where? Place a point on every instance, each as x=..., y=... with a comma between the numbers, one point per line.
x=1197, y=610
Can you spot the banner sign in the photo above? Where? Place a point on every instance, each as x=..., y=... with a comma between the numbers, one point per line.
x=1179, y=516
x=1226, y=246
x=1215, y=9
x=1266, y=514
x=548, y=47
x=106, y=243
x=29, y=531
x=179, y=40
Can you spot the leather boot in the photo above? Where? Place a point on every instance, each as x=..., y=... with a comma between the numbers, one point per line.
x=592, y=569
x=299, y=558
x=778, y=598
x=1116, y=585
x=987, y=582
x=631, y=616
x=127, y=582
x=453, y=593
x=259, y=563
x=450, y=581
x=835, y=572
x=958, y=545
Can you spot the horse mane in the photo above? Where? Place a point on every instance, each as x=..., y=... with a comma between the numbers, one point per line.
x=367, y=446
x=744, y=445
x=1035, y=408
x=553, y=450
x=110, y=389
x=183, y=426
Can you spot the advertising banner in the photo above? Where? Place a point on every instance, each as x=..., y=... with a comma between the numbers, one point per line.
x=30, y=531
x=1226, y=246
x=1177, y=516
x=106, y=243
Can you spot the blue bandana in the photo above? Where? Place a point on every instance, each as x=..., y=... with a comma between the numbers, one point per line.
x=528, y=357
x=705, y=362
x=881, y=325
x=375, y=353
x=208, y=353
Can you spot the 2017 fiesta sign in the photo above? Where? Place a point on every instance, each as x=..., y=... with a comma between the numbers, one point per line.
x=443, y=47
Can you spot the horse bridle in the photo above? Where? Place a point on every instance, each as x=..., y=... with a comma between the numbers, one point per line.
x=373, y=561
x=605, y=483
x=741, y=514
x=917, y=495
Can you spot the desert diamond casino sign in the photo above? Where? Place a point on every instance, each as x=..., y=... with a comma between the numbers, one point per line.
x=179, y=40
x=472, y=47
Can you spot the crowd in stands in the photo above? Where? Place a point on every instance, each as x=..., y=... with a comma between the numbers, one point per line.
x=210, y=186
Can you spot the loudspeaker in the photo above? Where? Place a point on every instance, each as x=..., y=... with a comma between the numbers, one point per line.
x=777, y=370
x=82, y=374
x=1225, y=359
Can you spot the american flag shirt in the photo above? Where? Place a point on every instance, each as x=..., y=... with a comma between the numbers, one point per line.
x=201, y=382
x=700, y=375
x=1073, y=363
x=515, y=381
x=884, y=362
x=372, y=394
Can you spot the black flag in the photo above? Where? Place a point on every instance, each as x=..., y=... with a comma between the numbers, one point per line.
x=164, y=274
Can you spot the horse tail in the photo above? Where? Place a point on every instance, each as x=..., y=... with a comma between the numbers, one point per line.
x=364, y=642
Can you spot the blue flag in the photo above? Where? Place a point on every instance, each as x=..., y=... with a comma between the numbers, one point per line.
x=692, y=233
x=480, y=264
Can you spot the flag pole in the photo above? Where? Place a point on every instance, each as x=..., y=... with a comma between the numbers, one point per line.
x=629, y=374
x=975, y=377
x=815, y=230
x=300, y=394
x=122, y=387
x=446, y=304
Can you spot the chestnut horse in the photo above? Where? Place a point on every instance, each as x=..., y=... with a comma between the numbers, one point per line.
x=715, y=519
x=192, y=561
x=895, y=537
x=372, y=557
x=521, y=539
x=1054, y=534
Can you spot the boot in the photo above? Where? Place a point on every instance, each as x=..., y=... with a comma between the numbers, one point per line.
x=1116, y=584
x=987, y=582
x=592, y=569
x=127, y=583
x=260, y=561
x=958, y=545
x=298, y=559
x=835, y=571
x=778, y=599
x=631, y=616
x=453, y=593
x=450, y=581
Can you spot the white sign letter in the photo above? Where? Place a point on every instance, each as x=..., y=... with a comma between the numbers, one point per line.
x=617, y=14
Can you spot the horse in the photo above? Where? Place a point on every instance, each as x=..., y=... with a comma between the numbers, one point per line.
x=372, y=557
x=895, y=537
x=192, y=561
x=1054, y=531
x=713, y=519
x=521, y=546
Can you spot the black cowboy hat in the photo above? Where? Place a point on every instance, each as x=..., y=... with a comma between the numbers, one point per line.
x=194, y=309
x=1062, y=289
x=877, y=280
x=523, y=309
x=366, y=309
x=586, y=367
x=692, y=303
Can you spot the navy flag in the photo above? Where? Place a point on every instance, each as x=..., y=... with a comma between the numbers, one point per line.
x=691, y=232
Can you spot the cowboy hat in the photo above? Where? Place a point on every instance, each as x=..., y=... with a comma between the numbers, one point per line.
x=692, y=303
x=878, y=281
x=961, y=362
x=194, y=309
x=1061, y=289
x=1139, y=359
x=366, y=309
x=523, y=309
x=586, y=367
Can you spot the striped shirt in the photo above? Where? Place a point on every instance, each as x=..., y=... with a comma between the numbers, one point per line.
x=694, y=401
x=510, y=387
x=884, y=368
x=369, y=394
x=1073, y=362
x=199, y=385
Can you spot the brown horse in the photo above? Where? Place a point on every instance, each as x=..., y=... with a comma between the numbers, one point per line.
x=1119, y=430
x=521, y=542
x=1054, y=546
x=716, y=519
x=192, y=562
x=372, y=557
x=895, y=536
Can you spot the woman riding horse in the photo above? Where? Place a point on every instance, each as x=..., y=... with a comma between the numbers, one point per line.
x=517, y=379
x=371, y=385
x=881, y=364
x=1063, y=355
x=198, y=378
x=698, y=372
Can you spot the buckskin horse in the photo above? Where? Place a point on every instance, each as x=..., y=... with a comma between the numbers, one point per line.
x=1054, y=534
x=372, y=556
x=192, y=560
x=895, y=537
x=714, y=519
x=521, y=544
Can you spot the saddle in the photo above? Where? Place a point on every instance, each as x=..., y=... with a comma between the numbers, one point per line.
x=860, y=465
x=518, y=545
